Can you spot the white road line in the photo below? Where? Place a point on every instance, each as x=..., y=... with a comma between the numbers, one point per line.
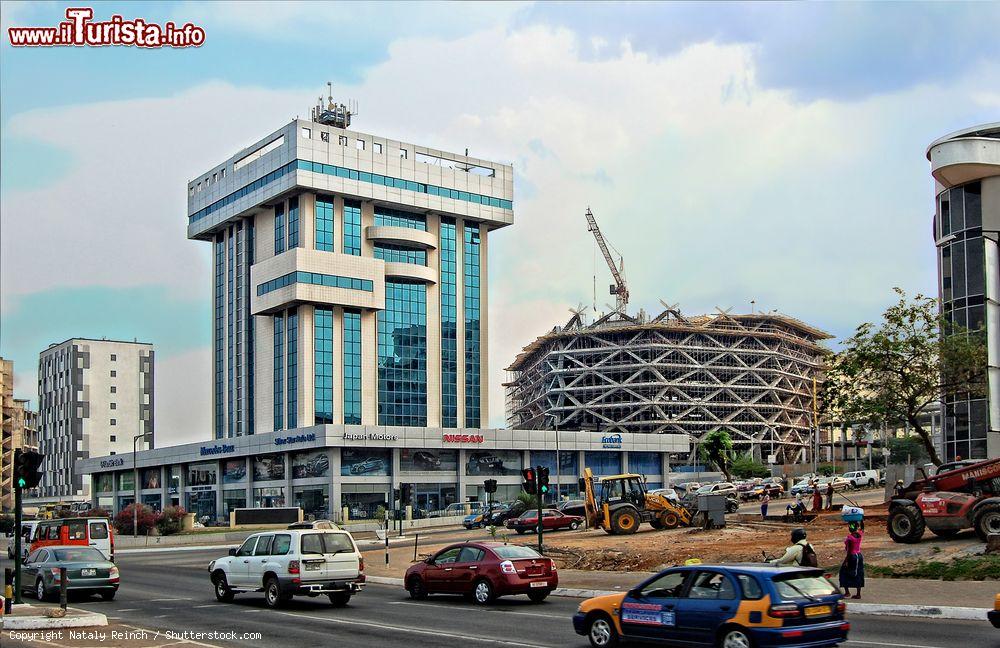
x=167, y=599
x=126, y=609
x=882, y=643
x=499, y=611
x=419, y=631
x=204, y=606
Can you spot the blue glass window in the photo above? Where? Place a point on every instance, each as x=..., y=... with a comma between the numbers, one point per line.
x=246, y=190
x=402, y=355
x=645, y=463
x=230, y=338
x=449, y=325
x=399, y=218
x=352, y=227
x=352, y=367
x=547, y=458
x=603, y=462
x=279, y=228
x=293, y=222
x=324, y=224
x=220, y=322
x=249, y=325
x=473, y=407
x=292, y=361
x=400, y=254
x=316, y=279
x=279, y=382
x=323, y=363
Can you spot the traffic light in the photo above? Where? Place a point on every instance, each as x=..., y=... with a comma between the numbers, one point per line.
x=26, y=465
x=395, y=495
x=543, y=480
x=530, y=485
x=405, y=494
x=490, y=485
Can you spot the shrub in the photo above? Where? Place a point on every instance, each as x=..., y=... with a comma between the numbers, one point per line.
x=124, y=520
x=745, y=467
x=96, y=512
x=827, y=470
x=171, y=520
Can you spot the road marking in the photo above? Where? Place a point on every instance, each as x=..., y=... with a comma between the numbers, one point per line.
x=127, y=609
x=204, y=606
x=882, y=643
x=167, y=599
x=498, y=610
x=419, y=631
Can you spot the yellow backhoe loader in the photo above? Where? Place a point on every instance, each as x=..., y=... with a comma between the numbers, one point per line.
x=624, y=504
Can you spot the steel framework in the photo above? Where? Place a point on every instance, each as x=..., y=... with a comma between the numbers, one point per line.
x=749, y=374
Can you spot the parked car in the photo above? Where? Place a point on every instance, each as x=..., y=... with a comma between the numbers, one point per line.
x=719, y=488
x=27, y=530
x=88, y=572
x=669, y=493
x=772, y=486
x=288, y=563
x=501, y=515
x=483, y=571
x=83, y=532
x=572, y=507
x=803, y=487
x=552, y=520
x=457, y=508
x=862, y=478
x=720, y=605
x=839, y=484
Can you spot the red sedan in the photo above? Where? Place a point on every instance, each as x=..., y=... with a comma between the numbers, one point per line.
x=483, y=571
x=552, y=520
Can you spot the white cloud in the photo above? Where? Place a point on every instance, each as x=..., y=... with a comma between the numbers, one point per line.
x=715, y=190
x=183, y=390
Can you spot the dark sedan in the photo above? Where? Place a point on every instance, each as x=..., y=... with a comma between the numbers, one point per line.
x=552, y=520
x=87, y=572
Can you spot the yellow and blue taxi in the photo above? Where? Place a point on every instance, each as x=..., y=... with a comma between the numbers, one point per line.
x=729, y=606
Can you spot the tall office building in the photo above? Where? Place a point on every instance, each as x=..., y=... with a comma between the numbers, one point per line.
x=349, y=279
x=966, y=170
x=94, y=398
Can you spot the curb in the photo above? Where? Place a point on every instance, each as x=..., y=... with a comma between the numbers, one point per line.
x=21, y=622
x=874, y=609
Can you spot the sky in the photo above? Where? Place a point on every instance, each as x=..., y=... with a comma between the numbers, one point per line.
x=732, y=153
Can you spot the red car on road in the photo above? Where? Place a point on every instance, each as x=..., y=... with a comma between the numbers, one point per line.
x=552, y=520
x=483, y=571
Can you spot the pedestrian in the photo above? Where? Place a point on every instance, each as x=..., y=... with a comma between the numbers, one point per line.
x=817, y=498
x=799, y=554
x=852, y=571
x=764, y=501
x=899, y=489
x=797, y=508
x=829, y=495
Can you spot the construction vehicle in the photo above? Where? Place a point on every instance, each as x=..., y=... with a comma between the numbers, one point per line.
x=950, y=501
x=624, y=504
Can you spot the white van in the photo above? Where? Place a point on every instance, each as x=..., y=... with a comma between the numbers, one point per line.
x=862, y=478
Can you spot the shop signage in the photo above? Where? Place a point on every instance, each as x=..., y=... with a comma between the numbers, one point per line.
x=464, y=438
x=200, y=489
x=370, y=436
x=112, y=463
x=611, y=441
x=297, y=438
x=217, y=449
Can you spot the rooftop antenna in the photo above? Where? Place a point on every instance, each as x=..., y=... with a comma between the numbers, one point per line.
x=333, y=114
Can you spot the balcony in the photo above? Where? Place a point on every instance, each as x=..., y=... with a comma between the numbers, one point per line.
x=316, y=277
x=410, y=272
x=402, y=236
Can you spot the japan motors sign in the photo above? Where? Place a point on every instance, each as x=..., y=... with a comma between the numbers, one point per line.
x=463, y=438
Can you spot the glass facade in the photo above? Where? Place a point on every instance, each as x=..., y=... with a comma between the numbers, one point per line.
x=429, y=460
x=494, y=462
x=233, y=499
x=399, y=218
x=269, y=467
x=352, y=367
x=569, y=461
x=279, y=371
x=402, y=355
x=230, y=339
x=269, y=497
x=313, y=500
x=449, y=324
x=323, y=364
x=203, y=474
x=400, y=254
x=324, y=223
x=293, y=222
x=279, y=228
x=234, y=471
x=220, y=328
x=249, y=325
x=645, y=463
x=963, y=302
x=202, y=504
x=365, y=462
x=472, y=339
x=310, y=463
x=316, y=279
x=352, y=227
x=292, y=363
x=603, y=463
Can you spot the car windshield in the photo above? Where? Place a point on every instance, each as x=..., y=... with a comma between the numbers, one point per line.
x=796, y=587
x=514, y=552
x=529, y=514
x=82, y=554
x=705, y=489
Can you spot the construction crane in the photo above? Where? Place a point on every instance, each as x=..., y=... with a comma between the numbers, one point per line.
x=618, y=289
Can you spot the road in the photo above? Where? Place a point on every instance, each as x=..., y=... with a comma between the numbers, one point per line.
x=170, y=591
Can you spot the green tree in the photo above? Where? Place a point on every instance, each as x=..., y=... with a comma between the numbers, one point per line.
x=890, y=372
x=745, y=466
x=717, y=448
x=531, y=501
x=906, y=450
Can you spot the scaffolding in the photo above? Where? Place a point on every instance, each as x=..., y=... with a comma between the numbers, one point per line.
x=752, y=375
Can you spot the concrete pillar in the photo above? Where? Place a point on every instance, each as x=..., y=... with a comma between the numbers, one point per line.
x=218, y=490
x=484, y=336
x=369, y=368
x=307, y=220
x=338, y=365
x=287, y=457
x=307, y=365
x=460, y=319
x=434, y=328
x=248, y=493
x=460, y=488
x=334, y=481
x=164, y=487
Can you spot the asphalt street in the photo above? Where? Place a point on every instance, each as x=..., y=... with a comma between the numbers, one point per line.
x=170, y=591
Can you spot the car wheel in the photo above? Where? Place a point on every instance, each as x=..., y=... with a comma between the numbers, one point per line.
x=108, y=596
x=906, y=524
x=222, y=591
x=987, y=521
x=272, y=593
x=40, y=593
x=735, y=638
x=416, y=589
x=482, y=592
x=601, y=632
x=339, y=599
x=871, y=483
x=537, y=596
x=573, y=526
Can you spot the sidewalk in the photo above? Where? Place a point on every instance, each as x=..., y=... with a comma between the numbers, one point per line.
x=45, y=617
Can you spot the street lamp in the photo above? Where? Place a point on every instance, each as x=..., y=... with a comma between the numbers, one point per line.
x=135, y=482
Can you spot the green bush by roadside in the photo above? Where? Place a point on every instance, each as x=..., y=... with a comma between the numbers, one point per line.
x=972, y=568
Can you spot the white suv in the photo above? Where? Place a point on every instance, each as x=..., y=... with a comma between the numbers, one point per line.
x=862, y=478
x=293, y=562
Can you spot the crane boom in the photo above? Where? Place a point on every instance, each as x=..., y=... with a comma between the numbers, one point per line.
x=620, y=289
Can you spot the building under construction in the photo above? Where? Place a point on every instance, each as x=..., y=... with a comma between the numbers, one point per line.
x=752, y=375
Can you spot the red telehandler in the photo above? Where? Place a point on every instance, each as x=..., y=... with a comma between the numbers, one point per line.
x=948, y=502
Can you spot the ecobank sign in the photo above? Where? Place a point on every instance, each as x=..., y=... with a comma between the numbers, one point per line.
x=610, y=441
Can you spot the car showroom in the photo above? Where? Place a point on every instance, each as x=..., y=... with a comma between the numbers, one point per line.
x=332, y=470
